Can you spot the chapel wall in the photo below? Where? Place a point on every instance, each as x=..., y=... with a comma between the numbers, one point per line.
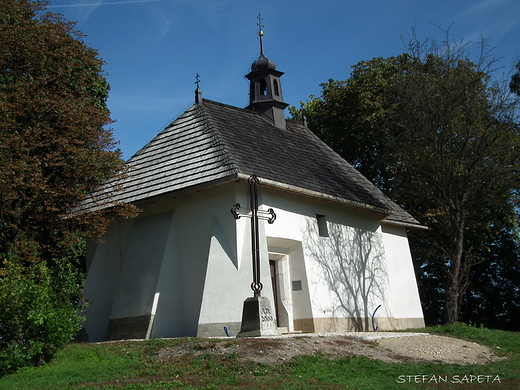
x=375, y=263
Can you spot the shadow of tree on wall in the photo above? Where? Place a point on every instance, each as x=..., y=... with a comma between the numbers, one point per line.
x=351, y=263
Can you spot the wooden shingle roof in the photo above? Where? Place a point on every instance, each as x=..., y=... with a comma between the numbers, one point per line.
x=213, y=142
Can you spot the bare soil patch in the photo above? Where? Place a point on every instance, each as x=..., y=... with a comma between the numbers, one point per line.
x=388, y=347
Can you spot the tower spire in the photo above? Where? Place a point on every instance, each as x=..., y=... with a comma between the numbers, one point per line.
x=261, y=34
x=265, y=96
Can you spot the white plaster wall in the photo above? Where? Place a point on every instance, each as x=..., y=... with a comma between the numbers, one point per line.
x=348, y=272
x=141, y=266
x=169, y=314
x=197, y=261
x=200, y=216
x=214, y=273
x=104, y=270
x=228, y=276
x=226, y=285
x=296, y=220
x=165, y=256
x=376, y=277
x=402, y=294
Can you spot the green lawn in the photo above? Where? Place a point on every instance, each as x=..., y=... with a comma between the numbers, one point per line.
x=134, y=365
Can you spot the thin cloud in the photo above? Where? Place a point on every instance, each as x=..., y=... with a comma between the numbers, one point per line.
x=100, y=4
x=485, y=5
x=501, y=16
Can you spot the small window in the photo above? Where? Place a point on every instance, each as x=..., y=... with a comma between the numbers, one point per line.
x=263, y=87
x=322, y=225
x=276, y=88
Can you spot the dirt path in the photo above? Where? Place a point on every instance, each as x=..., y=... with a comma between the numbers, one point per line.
x=386, y=346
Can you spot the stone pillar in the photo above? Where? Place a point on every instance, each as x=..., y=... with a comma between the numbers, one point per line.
x=258, y=318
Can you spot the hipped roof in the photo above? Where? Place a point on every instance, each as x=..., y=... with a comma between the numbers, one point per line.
x=211, y=143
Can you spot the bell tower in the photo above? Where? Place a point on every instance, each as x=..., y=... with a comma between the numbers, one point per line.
x=265, y=95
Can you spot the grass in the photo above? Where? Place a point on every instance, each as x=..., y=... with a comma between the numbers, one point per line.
x=135, y=366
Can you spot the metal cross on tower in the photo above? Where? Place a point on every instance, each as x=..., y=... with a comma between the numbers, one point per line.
x=260, y=34
x=259, y=24
x=255, y=214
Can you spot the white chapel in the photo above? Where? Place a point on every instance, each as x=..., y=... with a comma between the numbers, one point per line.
x=335, y=256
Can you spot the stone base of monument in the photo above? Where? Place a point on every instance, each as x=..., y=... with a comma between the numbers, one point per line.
x=258, y=318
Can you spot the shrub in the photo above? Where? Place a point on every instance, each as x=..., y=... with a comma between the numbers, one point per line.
x=37, y=316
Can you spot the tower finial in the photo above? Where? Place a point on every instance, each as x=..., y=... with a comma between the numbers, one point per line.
x=260, y=34
x=198, y=92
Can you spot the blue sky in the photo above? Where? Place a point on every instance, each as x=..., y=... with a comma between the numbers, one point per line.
x=154, y=48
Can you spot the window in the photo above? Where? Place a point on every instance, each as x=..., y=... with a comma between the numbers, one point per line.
x=263, y=87
x=322, y=225
x=276, y=88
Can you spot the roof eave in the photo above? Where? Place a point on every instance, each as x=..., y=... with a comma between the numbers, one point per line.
x=186, y=190
x=384, y=213
x=408, y=225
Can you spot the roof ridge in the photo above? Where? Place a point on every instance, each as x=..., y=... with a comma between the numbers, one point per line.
x=180, y=117
x=215, y=133
x=242, y=109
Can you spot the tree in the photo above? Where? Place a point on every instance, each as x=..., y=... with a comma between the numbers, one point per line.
x=434, y=131
x=514, y=85
x=363, y=105
x=493, y=296
x=54, y=149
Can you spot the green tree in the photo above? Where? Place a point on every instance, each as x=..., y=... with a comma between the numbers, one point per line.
x=514, y=85
x=493, y=296
x=358, y=119
x=434, y=131
x=54, y=149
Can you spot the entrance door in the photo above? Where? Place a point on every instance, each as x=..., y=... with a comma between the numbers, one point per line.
x=282, y=294
x=274, y=282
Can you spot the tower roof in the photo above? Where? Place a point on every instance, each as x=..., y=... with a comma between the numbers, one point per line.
x=265, y=91
x=262, y=63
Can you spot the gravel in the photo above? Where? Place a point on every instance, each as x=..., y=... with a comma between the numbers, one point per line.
x=390, y=347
